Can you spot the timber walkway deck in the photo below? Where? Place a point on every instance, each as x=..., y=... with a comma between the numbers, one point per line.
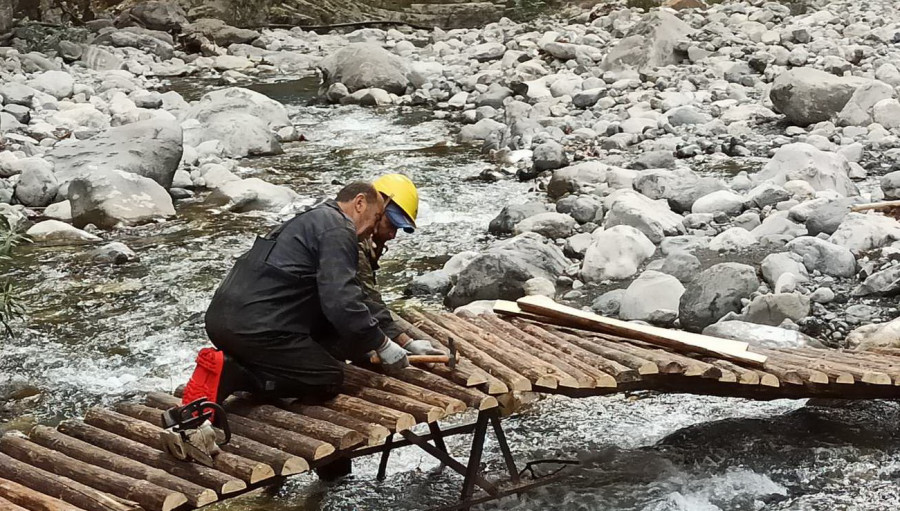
x=111, y=460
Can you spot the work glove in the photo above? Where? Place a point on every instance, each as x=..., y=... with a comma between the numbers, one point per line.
x=392, y=356
x=422, y=347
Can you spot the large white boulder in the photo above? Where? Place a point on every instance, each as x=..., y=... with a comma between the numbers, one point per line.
x=650, y=43
x=54, y=230
x=551, y=225
x=112, y=198
x=859, y=110
x=616, y=253
x=650, y=297
x=653, y=218
x=363, y=66
x=807, y=96
x=824, y=256
x=861, y=232
x=252, y=194
x=717, y=291
x=800, y=161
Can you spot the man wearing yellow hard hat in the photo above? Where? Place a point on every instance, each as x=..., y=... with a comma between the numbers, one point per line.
x=400, y=214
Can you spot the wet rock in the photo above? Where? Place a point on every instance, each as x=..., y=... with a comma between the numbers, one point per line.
x=800, y=161
x=653, y=218
x=775, y=265
x=773, y=309
x=481, y=130
x=882, y=335
x=56, y=231
x=539, y=286
x=860, y=232
x=501, y=271
x=761, y=336
x=573, y=178
x=551, y=225
x=364, y=65
x=649, y=44
x=112, y=198
x=722, y=201
x=859, y=109
x=649, y=295
x=548, y=156
x=58, y=84
x=113, y=253
x=717, y=291
x=435, y=282
x=807, y=96
x=881, y=283
x=151, y=149
x=616, y=253
x=505, y=222
x=457, y=263
x=823, y=256
x=252, y=194
x=37, y=186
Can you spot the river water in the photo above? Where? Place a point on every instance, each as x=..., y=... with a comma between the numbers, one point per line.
x=97, y=334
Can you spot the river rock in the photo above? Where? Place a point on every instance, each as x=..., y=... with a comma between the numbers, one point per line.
x=505, y=222
x=653, y=218
x=110, y=198
x=807, y=96
x=887, y=113
x=861, y=232
x=682, y=265
x=252, y=194
x=609, y=303
x=219, y=32
x=502, y=270
x=823, y=215
x=859, y=110
x=650, y=43
x=767, y=194
x=539, y=286
x=801, y=161
x=435, y=282
x=717, y=291
x=882, y=335
x=881, y=283
x=484, y=129
x=151, y=149
x=17, y=94
x=890, y=185
x=775, y=265
x=61, y=211
x=651, y=295
x=680, y=187
x=363, y=66
x=773, y=309
x=761, y=336
x=616, y=253
x=37, y=186
x=823, y=256
x=54, y=230
x=722, y=201
x=573, y=178
x=148, y=41
x=58, y=84
x=457, y=263
x=113, y=253
x=548, y=156
x=551, y=225
x=733, y=239
x=163, y=16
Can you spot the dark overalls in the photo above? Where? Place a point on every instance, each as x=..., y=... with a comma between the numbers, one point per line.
x=292, y=308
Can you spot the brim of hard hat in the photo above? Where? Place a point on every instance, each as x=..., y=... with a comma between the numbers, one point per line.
x=399, y=219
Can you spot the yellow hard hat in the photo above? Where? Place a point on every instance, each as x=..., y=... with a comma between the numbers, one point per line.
x=402, y=192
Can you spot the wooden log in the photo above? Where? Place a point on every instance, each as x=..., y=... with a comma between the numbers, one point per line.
x=664, y=364
x=728, y=376
x=536, y=370
x=768, y=379
x=63, y=488
x=832, y=373
x=27, y=498
x=865, y=367
x=673, y=339
x=692, y=366
x=394, y=420
x=284, y=440
x=222, y=483
x=422, y=412
x=124, y=423
x=6, y=505
x=424, y=379
x=743, y=375
x=375, y=434
x=511, y=378
x=148, y=495
x=586, y=377
x=338, y=436
x=607, y=351
x=50, y=438
x=494, y=384
x=618, y=372
x=877, y=206
x=465, y=373
x=360, y=377
x=793, y=374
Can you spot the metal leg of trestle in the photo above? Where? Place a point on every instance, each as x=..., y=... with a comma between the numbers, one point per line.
x=385, y=455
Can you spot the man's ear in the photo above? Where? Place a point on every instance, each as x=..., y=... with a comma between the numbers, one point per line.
x=360, y=203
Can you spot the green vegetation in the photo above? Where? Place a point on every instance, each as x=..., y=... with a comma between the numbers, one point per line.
x=10, y=304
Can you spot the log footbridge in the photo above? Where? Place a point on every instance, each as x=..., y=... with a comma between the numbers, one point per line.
x=111, y=459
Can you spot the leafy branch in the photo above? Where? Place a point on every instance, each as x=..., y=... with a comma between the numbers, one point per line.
x=10, y=303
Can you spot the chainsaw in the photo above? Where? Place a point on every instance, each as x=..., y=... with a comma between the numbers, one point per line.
x=188, y=432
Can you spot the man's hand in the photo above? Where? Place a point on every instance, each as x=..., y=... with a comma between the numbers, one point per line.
x=422, y=347
x=392, y=356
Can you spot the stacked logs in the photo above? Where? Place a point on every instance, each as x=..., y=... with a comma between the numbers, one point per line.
x=112, y=460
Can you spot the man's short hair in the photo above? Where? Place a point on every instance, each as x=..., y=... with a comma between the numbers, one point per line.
x=355, y=188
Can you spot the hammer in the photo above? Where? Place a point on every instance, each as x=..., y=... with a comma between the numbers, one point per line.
x=450, y=360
